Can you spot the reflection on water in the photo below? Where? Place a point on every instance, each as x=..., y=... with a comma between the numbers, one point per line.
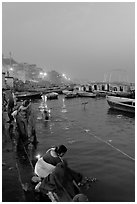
x=64, y=110
x=120, y=113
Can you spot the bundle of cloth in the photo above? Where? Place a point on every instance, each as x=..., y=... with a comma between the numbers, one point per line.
x=62, y=181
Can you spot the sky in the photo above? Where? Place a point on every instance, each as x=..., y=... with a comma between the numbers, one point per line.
x=89, y=41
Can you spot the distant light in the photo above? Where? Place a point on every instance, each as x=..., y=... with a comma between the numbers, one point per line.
x=63, y=75
x=45, y=74
x=11, y=69
x=38, y=156
x=41, y=73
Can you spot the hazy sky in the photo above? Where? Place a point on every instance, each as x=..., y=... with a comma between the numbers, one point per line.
x=84, y=40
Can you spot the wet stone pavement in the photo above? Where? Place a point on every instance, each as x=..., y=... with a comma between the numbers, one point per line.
x=16, y=183
x=10, y=181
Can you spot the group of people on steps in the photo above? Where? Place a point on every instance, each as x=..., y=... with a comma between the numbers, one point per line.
x=21, y=115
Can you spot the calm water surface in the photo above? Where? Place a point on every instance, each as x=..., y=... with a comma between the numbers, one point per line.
x=101, y=144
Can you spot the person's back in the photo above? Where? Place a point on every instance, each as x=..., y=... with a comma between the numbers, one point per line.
x=46, y=164
x=11, y=101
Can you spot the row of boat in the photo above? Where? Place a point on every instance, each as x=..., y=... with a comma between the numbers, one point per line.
x=54, y=95
x=35, y=95
x=73, y=94
x=115, y=102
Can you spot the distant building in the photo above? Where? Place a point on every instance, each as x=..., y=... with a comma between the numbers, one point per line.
x=104, y=86
x=21, y=75
x=54, y=77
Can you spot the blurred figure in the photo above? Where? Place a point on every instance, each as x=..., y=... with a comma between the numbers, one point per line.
x=4, y=102
x=10, y=105
x=44, y=109
x=22, y=118
x=46, y=114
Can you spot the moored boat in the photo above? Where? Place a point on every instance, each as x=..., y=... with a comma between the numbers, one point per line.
x=121, y=94
x=100, y=93
x=86, y=94
x=52, y=95
x=28, y=95
x=66, y=91
x=121, y=103
x=71, y=95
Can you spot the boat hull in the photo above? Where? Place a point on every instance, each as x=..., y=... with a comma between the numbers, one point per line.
x=52, y=95
x=121, y=104
x=86, y=94
x=70, y=95
x=27, y=96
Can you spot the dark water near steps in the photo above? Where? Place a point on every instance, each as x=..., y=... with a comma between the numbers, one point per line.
x=100, y=142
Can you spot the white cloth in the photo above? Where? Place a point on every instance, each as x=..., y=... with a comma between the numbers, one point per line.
x=43, y=169
x=14, y=114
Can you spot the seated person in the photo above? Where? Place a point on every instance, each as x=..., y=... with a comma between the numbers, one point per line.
x=46, y=164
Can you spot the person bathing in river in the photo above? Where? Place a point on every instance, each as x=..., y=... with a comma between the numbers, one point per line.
x=46, y=164
x=44, y=109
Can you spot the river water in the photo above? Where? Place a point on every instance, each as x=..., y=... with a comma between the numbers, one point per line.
x=100, y=142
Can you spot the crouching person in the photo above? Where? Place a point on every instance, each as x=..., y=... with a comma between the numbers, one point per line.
x=47, y=163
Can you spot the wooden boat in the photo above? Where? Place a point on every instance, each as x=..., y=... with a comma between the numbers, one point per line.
x=52, y=95
x=66, y=91
x=121, y=94
x=100, y=93
x=121, y=103
x=86, y=94
x=28, y=95
x=71, y=95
